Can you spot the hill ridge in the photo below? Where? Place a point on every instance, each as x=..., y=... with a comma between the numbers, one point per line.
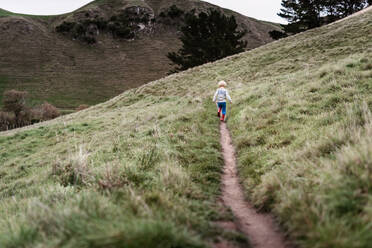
x=60, y=69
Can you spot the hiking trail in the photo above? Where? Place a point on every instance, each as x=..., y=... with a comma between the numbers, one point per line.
x=260, y=228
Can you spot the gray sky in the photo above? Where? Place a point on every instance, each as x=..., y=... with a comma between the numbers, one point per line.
x=260, y=9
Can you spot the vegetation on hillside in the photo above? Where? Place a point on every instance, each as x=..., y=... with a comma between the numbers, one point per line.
x=303, y=15
x=143, y=169
x=207, y=37
x=16, y=113
x=303, y=136
x=60, y=68
x=122, y=25
x=132, y=173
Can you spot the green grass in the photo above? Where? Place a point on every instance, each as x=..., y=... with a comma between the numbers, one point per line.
x=5, y=13
x=131, y=179
x=146, y=165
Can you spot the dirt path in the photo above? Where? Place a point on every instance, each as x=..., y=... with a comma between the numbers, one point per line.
x=259, y=228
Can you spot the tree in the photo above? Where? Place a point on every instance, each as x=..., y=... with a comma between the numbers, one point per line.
x=207, y=37
x=14, y=101
x=343, y=8
x=307, y=14
x=301, y=14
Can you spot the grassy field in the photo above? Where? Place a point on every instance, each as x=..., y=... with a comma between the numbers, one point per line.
x=143, y=169
x=132, y=172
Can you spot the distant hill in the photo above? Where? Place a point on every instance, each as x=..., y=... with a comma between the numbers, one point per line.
x=62, y=68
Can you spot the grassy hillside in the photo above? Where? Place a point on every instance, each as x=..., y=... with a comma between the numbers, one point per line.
x=143, y=169
x=5, y=13
x=67, y=72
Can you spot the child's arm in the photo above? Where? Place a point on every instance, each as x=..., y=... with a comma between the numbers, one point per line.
x=215, y=96
x=228, y=96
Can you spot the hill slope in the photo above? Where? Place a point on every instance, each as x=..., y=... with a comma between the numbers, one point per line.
x=62, y=69
x=143, y=169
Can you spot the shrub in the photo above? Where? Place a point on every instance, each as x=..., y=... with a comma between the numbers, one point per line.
x=7, y=121
x=78, y=31
x=276, y=35
x=48, y=111
x=174, y=12
x=36, y=115
x=65, y=27
x=75, y=172
x=112, y=178
x=24, y=117
x=14, y=101
x=119, y=26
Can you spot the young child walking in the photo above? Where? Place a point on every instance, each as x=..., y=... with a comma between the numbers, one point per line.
x=220, y=99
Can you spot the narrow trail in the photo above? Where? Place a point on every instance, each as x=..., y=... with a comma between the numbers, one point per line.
x=260, y=228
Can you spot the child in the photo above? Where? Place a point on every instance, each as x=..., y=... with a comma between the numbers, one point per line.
x=220, y=98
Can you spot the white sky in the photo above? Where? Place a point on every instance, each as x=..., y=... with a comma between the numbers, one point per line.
x=259, y=9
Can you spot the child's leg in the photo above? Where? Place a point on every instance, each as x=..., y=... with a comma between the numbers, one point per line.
x=224, y=108
x=223, y=105
x=219, y=109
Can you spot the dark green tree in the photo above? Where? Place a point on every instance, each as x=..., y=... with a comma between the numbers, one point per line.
x=276, y=35
x=307, y=14
x=301, y=14
x=344, y=8
x=206, y=37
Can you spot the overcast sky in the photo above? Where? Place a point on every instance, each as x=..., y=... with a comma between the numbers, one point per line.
x=260, y=9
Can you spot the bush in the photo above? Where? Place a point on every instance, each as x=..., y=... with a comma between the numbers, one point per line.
x=24, y=117
x=14, y=101
x=120, y=27
x=65, y=27
x=48, y=111
x=16, y=114
x=7, y=121
x=174, y=12
x=276, y=35
x=75, y=172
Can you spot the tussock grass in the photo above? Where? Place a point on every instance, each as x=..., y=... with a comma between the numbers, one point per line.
x=129, y=179
x=149, y=171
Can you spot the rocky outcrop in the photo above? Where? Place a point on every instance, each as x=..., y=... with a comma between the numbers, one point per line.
x=124, y=24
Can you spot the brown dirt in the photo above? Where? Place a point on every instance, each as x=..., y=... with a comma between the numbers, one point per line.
x=260, y=228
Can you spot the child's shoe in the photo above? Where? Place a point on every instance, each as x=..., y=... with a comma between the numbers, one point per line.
x=218, y=114
x=222, y=117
